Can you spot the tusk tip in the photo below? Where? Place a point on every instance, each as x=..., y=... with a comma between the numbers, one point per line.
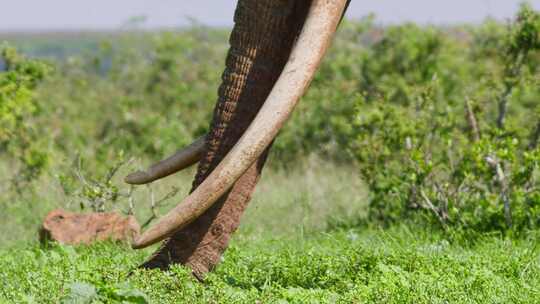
x=138, y=178
x=149, y=238
x=138, y=243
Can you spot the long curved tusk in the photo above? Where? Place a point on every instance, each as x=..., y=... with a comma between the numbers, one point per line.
x=180, y=160
x=314, y=40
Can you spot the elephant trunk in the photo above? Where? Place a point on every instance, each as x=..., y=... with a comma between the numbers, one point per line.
x=261, y=42
x=315, y=38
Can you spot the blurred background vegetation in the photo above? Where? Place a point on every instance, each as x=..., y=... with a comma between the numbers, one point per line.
x=435, y=125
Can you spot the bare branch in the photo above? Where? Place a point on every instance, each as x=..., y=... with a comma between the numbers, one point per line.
x=471, y=120
x=503, y=107
x=155, y=205
x=78, y=171
x=503, y=183
x=112, y=172
x=432, y=207
x=443, y=196
x=513, y=72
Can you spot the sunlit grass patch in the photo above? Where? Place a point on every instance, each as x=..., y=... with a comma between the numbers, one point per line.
x=371, y=266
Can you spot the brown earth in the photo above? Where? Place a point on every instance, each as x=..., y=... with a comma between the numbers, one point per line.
x=84, y=228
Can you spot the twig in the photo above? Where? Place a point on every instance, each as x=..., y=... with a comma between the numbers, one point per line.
x=78, y=171
x=112, y=172
x=501, y=179
x=503, y=107
x=130, y=200
x=535, y=137
x=154, y=205
x=431, y=207
x=443, y=196
x=471, y=119
x=512, y=72
x=451, y=161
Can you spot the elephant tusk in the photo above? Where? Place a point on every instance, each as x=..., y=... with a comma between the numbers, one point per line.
x=315, y=38
x=180, y=160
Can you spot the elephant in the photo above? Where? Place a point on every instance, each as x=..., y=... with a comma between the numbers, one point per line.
x=276, y=47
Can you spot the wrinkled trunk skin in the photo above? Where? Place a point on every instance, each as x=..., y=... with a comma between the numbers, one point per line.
x=261, y=42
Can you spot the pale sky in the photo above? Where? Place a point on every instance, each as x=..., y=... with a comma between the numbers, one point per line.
x=112, y=14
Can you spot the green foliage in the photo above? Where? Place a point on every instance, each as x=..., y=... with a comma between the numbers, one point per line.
x=20, y=136
x=430, y=134
x=524, y=35
x=413, y=111
x=395, y=103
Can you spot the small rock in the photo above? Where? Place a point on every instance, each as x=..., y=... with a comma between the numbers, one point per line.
x=77, y=228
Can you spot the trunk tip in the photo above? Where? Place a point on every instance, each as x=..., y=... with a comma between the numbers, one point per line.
x=138, y=178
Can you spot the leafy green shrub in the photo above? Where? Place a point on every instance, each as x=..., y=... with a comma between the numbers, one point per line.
x=20, y=136
x=430, y=131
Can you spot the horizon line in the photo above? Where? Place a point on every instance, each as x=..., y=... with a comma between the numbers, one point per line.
x=124, y=28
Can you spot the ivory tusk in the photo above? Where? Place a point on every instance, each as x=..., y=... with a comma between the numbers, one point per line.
x=314, y=40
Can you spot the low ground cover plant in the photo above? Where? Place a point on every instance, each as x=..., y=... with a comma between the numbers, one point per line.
x=411, y=168
x=355, y=266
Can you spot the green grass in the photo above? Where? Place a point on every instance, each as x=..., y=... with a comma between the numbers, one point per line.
x=354, y=266
x=304, y=237
x=288, y=250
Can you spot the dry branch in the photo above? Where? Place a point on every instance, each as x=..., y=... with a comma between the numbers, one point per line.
x=503, y=183
x=471, y=120
x=154, y=205
x=432, y=207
